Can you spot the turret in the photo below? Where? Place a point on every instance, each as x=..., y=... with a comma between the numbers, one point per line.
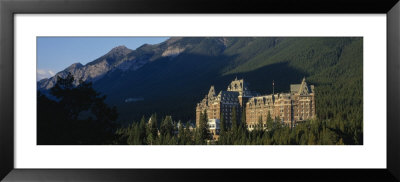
x=211, y=93
x=303, y=87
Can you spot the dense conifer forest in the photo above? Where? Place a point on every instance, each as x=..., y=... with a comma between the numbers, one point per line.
x=80, y=115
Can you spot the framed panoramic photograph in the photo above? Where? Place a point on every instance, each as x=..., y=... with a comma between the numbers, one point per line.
x=122, y=91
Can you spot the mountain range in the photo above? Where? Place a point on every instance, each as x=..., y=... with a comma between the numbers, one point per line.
x=169, y=78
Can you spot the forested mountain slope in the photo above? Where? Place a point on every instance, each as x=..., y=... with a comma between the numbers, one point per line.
x=171, y=77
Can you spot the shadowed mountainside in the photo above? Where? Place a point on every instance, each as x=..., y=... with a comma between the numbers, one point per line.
x=171, y=77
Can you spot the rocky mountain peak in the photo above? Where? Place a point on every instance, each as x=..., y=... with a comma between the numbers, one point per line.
x=75, y=66
x=173, y=40
x=122, y=50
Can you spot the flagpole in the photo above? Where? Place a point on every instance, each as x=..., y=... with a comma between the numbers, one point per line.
x=273, y=87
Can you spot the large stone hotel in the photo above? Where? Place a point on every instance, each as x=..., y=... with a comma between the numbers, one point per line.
x=289, y=108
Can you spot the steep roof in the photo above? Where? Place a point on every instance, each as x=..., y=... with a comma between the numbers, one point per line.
x=301, y=89
x=211, y=93
x=240, y=86
x=294, y=88
x=228, y=95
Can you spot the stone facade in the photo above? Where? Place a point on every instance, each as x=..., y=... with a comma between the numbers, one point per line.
x=218, y=106
x=289, y=108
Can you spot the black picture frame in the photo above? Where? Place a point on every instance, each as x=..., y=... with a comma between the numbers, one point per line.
x=8, y=8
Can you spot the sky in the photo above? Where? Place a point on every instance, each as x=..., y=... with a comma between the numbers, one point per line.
x=54, y=54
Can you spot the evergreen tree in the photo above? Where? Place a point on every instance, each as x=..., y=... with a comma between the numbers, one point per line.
x=259, y=127
x=181, y=134
x=234, y=119
x=269, y=121
x=197, y=137
x=132, y=134
x=152, y=130
x=243, y=124
x=188, y=134
x=77, y=115
x=278, y=123
x=142, y=130
x=167, y=127
x=222, y=124
x=243, y=119
x=259, y=124
x=223, y=130
x=203, y=129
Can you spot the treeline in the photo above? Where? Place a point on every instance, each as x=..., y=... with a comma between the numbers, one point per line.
x=335, y=66
x=74, y=115
x=339, y=93
x=78, y=115
x=168, y=133
x=148, y=132
x=312, y=132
